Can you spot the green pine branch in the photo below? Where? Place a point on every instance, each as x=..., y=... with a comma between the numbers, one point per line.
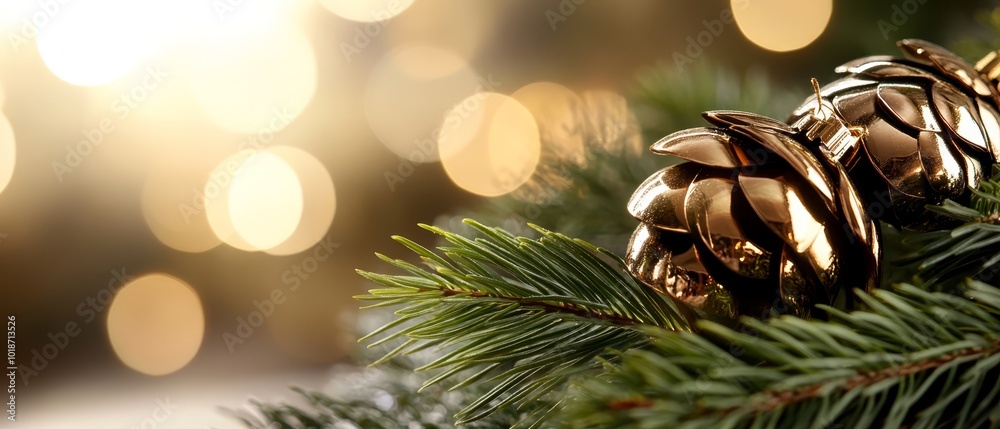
x=915, y=359
x=972, y=249
x=522, y=315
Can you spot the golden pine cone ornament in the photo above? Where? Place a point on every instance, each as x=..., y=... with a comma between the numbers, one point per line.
x=910, y=131
x=767, y=216
x=757, y=220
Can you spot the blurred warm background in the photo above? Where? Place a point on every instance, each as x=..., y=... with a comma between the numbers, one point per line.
x=187, y=186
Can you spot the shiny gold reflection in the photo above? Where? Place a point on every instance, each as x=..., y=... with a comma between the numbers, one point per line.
x=319, y=200
x=495, y=156
x=156, y=324
x=782, y=25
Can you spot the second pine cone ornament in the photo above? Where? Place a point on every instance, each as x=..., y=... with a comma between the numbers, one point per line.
x=772, y=217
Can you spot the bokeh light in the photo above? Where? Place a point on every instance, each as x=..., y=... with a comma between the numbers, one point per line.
x=260, y=84
x=409, y=90
x=156, y=324
x=366, y=10
x=555, y=107
x=254, y=200
x=433, y=24
x=782, y=25
x=496, y=155
x=94, y=42
x=173, y=201
x=216, y=191
x=319, y=200
x=8, y=152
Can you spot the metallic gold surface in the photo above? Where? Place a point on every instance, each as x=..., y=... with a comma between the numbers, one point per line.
x=940, y=167
x=947, y=62
x=795, y=224
x=793, y=288
x=797, y=156
x=928, y=123
x=991, y=125
x=701, y=145
x=709, y=214
x=782, y=210
x=659, y=200
x=908, y=104
x=770, y=235
x=879, y=67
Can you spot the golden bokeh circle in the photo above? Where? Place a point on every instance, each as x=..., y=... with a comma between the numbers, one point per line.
x=782, y=25
x=156, y=324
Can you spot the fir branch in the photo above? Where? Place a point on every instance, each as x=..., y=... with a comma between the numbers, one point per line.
x=972, y=249
x=522, y=315
x=917, y=358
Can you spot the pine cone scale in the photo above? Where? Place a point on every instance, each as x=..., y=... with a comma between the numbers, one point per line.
x=782, y=211
x=659, y=201
x=798, y=157
x=908, y=104
x=959, y=115
x=940, y=165
x=709, y=214
x=702, y=145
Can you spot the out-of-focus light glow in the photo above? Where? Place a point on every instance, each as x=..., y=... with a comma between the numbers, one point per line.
x=609, y=124
x=94, y=42
x=265, y=201
x=262, y=205
x=366, y=10
x=173, y=201
x=156, y=324
x=782, y=25
x=495, y=156
x=217, y=200
x=436, y=26
x=8, y=152
x=409, y=90
x=554, y=107
x=261, y=83
x=319, y=200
